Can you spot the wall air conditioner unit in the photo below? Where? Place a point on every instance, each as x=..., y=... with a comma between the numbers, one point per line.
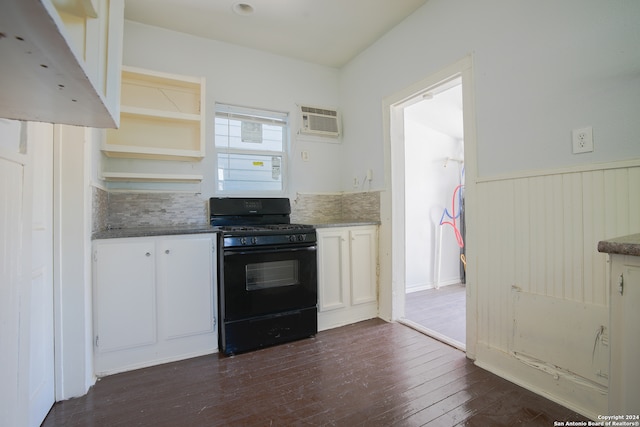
x=319, y=121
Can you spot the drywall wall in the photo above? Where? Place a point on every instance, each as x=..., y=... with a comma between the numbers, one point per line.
x=541, y=69
x=244, y=77
x=432, y=251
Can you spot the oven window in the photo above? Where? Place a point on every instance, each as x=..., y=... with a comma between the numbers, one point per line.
x=275, y=274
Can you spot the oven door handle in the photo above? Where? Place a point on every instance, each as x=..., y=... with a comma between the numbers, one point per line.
x=246, y=251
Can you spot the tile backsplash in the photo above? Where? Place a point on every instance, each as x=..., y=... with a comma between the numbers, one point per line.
x=310, y=208
x=100, y=206
x=327, y=208
x=138, y=209
x=131, y=210
x=361, y=206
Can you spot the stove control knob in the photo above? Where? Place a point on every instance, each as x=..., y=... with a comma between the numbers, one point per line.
x=301, y=237
x=292, y=238
x=243, y=240
x=254, y=240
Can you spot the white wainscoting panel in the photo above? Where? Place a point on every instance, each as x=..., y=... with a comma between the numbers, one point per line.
x=538, y=234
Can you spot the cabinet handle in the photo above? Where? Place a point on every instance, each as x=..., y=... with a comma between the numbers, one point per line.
x=167, y=251
x=621, y=284
x=148, y=254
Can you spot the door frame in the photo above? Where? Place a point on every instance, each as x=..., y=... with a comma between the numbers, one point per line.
x=392, y=202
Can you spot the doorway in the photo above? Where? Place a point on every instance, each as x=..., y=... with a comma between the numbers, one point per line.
x=396, y=203
x=434, y=187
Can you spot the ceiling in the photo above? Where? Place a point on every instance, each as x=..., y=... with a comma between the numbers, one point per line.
x=326, y=32
x=440, y=110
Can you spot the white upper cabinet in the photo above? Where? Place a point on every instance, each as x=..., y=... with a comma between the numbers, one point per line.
x=61, y=61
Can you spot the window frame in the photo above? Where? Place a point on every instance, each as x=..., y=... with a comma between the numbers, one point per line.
x=258, y=115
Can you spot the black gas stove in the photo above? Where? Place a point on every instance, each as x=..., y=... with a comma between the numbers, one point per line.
x=267, y=268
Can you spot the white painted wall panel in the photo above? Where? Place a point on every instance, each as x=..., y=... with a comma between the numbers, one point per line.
x=538, y=234
x=557, y=221
x=573, y=237
x=579, y=349
x=11, y=280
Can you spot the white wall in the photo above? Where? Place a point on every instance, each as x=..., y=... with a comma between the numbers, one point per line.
x=245, y=77
x=541, y=69
x=429, y=189
x=16, y=189
x=72, y=256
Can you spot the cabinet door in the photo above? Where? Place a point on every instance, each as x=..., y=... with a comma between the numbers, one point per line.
x=185, y=278
x=333, y=272
x=363, y=265
x=624, y=393
x=124, y=295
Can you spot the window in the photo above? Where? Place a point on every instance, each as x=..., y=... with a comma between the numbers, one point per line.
x=250, y=149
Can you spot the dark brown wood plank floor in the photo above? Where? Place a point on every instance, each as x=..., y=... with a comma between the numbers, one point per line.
x=371, y=373
x=441, y=310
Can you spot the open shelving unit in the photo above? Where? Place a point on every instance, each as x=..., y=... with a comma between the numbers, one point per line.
x=157, y=177
x=162, y=117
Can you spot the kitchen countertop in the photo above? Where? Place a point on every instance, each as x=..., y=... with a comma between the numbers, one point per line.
x=116, y=233
x=625, y=245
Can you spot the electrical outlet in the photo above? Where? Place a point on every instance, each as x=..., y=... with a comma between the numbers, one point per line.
x=582, y=140
x=356, y=182
x=305, y=156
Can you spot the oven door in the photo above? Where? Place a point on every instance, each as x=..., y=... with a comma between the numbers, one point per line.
x=257, y=282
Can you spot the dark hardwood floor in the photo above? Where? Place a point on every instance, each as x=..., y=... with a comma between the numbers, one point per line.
x=441, y=310
x=371, y=373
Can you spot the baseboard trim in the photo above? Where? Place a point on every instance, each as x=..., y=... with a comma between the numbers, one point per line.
x=573, y=395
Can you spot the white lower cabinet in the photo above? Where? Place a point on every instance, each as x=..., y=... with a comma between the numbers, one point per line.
x=624, y=371
x=347, y=275
x=124, y=295
x=154, y=300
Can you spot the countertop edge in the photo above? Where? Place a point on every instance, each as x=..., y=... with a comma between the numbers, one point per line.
x=121, y=233
x=624, y=245
x=338, y=224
